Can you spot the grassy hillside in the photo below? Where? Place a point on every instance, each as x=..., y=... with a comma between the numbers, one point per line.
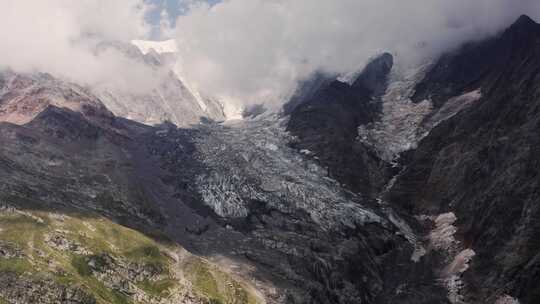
x=47, y=257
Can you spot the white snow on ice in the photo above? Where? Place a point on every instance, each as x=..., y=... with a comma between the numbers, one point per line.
x=403, y=122
x=250, y=160
x=401, y=118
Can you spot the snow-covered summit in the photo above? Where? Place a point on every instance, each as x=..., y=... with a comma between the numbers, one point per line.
x=171, y=98
x=160, y=47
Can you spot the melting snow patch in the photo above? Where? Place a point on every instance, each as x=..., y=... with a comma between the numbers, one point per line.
x=461, y=262
x=452, y=276
x=442, y=237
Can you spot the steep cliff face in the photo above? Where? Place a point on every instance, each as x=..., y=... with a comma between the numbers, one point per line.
x=480, y=64
x=24, y=96
x=482, y=164
x=168, y=98
x=326, y=124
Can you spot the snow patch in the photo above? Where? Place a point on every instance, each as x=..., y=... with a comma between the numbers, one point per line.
x=442, y=237
x=404, y=229
x=460, y=264
x=160, y=47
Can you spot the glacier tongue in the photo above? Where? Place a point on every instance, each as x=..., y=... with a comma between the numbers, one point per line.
x=404, y=123
x=250, y=160
x=401, y=117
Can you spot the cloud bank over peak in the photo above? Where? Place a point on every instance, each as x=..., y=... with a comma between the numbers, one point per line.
x=242, y=51
x=256, y=50
x=61, y=37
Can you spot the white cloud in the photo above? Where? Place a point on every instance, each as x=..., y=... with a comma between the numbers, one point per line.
x=253, y=50
x=244, y=50
x=60, y=37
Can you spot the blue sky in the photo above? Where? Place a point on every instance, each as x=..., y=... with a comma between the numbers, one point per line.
x=173, y=7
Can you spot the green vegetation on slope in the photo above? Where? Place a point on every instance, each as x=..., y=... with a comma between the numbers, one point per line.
x=112, y=263
x=216, y=285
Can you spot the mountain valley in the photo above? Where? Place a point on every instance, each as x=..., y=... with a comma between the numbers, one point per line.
x=404, y=186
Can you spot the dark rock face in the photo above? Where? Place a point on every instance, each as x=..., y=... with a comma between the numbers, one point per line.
x=307, y=89
x=326, y=123
x=483, y=164
x=374, y=77
x=481, y=64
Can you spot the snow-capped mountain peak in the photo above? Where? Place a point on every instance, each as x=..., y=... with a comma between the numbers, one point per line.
x=172, y=99
x=160, y=47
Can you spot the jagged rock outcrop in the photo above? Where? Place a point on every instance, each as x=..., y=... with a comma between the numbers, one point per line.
x=482, y=164
x=374, y=76
x=168, y=96
x=22, y=290
x=24, y=96
x=327, y=122
x=480, y=64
